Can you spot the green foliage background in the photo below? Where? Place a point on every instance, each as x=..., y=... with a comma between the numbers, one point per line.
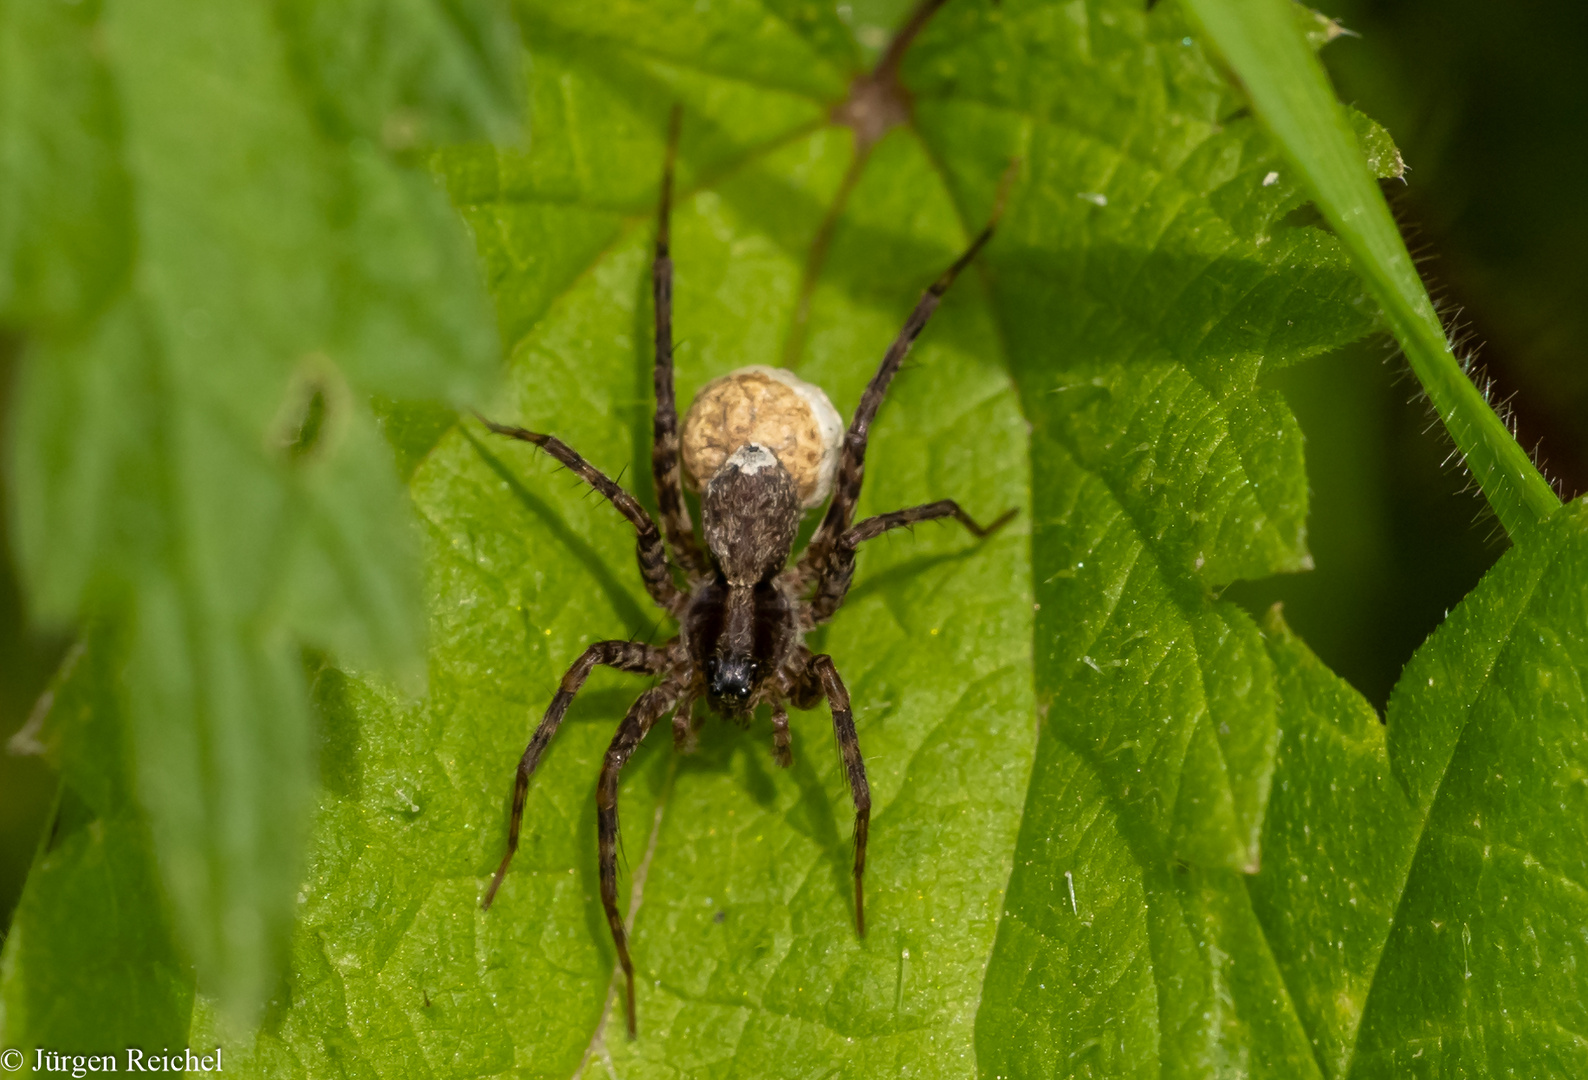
x=1217, y=859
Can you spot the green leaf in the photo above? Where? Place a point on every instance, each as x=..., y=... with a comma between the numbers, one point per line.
x=1336, y=849
x=1216, y=861
x=1124, y=955
x=1420, y=896
x=1289, y=90
x=90, y=962
x=744, y=924
x=563, y=229
x=524, y=571
x=65, y=237
x=193, y=452
x=1145, y=277
x=1487, y=736
x=412, y=72
x=1148, y=277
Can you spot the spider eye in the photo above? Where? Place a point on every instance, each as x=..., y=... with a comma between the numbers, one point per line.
x=731, y=678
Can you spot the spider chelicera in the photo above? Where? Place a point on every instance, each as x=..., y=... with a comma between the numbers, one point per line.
x=744, y=611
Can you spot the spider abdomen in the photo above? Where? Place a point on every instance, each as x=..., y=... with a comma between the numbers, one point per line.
x=774, y=408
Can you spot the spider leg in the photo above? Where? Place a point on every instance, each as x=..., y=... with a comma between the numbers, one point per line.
x=664, y=430
x=684, y=727
x=833, y=584
x=800, y=682
x=855, y=766
x=651, y=705
x=623, y=655
x=852, y=465
x=782, y=751
x=652, y=554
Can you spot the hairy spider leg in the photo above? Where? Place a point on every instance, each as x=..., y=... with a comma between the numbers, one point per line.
x=650, y=707
x=664, y=429
x=623, y=655
x=852, y=465
x=840, y=569
x=652, y=554
x=782, y=750
x=854, y=766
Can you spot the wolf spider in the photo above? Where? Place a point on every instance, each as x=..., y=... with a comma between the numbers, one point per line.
x=743, y=615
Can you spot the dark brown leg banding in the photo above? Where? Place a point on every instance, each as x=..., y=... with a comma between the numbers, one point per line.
x=782, y=746
x=664, y=430
x=855, y=768
x=852, y=465
x=651, y=705
x=623, y=655
x=833, y=584
x=652, y=554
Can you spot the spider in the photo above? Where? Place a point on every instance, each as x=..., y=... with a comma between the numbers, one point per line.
x=744, y=611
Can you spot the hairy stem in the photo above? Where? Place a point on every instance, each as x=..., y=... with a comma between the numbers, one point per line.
x=1290, y=92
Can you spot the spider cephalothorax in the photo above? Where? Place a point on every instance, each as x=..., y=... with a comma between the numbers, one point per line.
x=740, y=628
x=744, y=610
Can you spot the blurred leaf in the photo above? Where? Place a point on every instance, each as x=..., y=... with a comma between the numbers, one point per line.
x=65, y=226
x=1289, y=90
x=411, y=73
x=195, y=456
x=90, y=961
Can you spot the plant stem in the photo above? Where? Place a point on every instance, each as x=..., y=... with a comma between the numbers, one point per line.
x=1291, y=94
